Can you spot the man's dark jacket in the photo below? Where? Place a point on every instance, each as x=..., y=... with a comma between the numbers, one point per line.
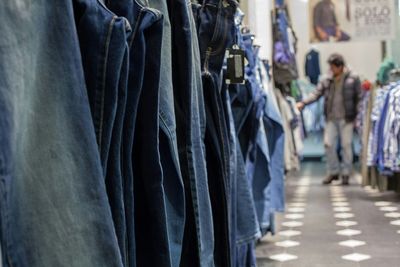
x=351, y=95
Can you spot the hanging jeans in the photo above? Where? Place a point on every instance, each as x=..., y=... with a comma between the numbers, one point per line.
x=333, y=130
x=103, y=42
x=147, y=221
x=173, y=183
x=198, y=245
x=216, y=32
x=54, y=209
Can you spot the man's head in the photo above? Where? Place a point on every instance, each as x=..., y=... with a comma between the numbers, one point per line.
x=337, y=64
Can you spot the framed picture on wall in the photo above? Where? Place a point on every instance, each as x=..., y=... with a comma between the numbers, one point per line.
x=351, y=20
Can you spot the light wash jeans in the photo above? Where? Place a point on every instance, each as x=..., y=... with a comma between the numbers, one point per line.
x=333, y=130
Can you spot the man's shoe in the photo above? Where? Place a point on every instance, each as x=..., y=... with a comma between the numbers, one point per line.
x=345, y=180
x=330, y=178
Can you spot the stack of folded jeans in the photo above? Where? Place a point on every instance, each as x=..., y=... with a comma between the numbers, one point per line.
x=121, y=144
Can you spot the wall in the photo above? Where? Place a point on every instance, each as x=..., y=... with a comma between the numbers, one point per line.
x=363, y=57
x=259, y=21
x=394, y=46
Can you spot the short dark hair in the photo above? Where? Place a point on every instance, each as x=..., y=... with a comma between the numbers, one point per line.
x=337, y=60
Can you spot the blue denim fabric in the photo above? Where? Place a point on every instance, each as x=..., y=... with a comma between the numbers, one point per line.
x=216, y=32
x=246, y=255
x=233, y=169
x=261, y=176
x=247, y=226
x=131, y=11
x=173, y=183
x=332, y=32
x=54, y=208
x=264, y=143
x=198, y=245
x=275, y=137
x=150, y=212
x=144, y=182
x=102, y=38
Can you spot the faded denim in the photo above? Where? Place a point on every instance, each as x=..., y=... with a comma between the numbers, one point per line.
x=54, y=207
x=103, y=43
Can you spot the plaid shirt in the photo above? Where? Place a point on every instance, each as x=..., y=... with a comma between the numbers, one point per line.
x=383, y=144
x=388, y=157
x=378, y=104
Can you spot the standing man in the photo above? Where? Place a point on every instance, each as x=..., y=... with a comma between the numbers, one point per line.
x=341, y=92
x=326, y=25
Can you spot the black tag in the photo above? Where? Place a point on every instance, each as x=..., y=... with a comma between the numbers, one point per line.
x=235, y=66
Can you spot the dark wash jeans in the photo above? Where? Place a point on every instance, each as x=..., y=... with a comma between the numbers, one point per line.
x=54, y=208
x=198, y=245
x=215, y=23
x=173, y=183
x=104, y=49
x=145, y=181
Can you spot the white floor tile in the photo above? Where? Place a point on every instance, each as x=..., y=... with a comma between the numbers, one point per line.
x=388, y=208
x=287, y=244
x=352, y=243
x=356, y=257
x=382, y=203
x=296, y=209
x=348, y=232
x=290, y=233
x=292, y=224
x=283, y=257
x=294, y=216
x=397, y=222
x=346, y=223
x=342, y=209
x=344, y=215
x=392, y=215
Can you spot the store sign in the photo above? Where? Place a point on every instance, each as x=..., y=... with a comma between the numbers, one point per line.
x=374, y=19
x=352, y=20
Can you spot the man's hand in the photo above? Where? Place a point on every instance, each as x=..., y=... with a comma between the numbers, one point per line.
x=323, y=36
x=300, y=106
x=338, y=34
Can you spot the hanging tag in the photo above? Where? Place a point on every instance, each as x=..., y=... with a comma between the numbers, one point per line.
x=235, y=65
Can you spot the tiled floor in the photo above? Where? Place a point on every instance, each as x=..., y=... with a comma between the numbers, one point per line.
x=333, y=226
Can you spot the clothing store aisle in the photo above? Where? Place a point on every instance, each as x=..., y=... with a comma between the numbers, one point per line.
x=333, y=226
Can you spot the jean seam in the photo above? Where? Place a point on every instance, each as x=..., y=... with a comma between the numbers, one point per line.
x=250, y=237
x=172, y=136
x=103, y=83
x=191, y=174
x=136, y=29
x=164, y=122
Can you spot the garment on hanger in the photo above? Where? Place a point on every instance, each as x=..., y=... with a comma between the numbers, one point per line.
x=312, y=66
